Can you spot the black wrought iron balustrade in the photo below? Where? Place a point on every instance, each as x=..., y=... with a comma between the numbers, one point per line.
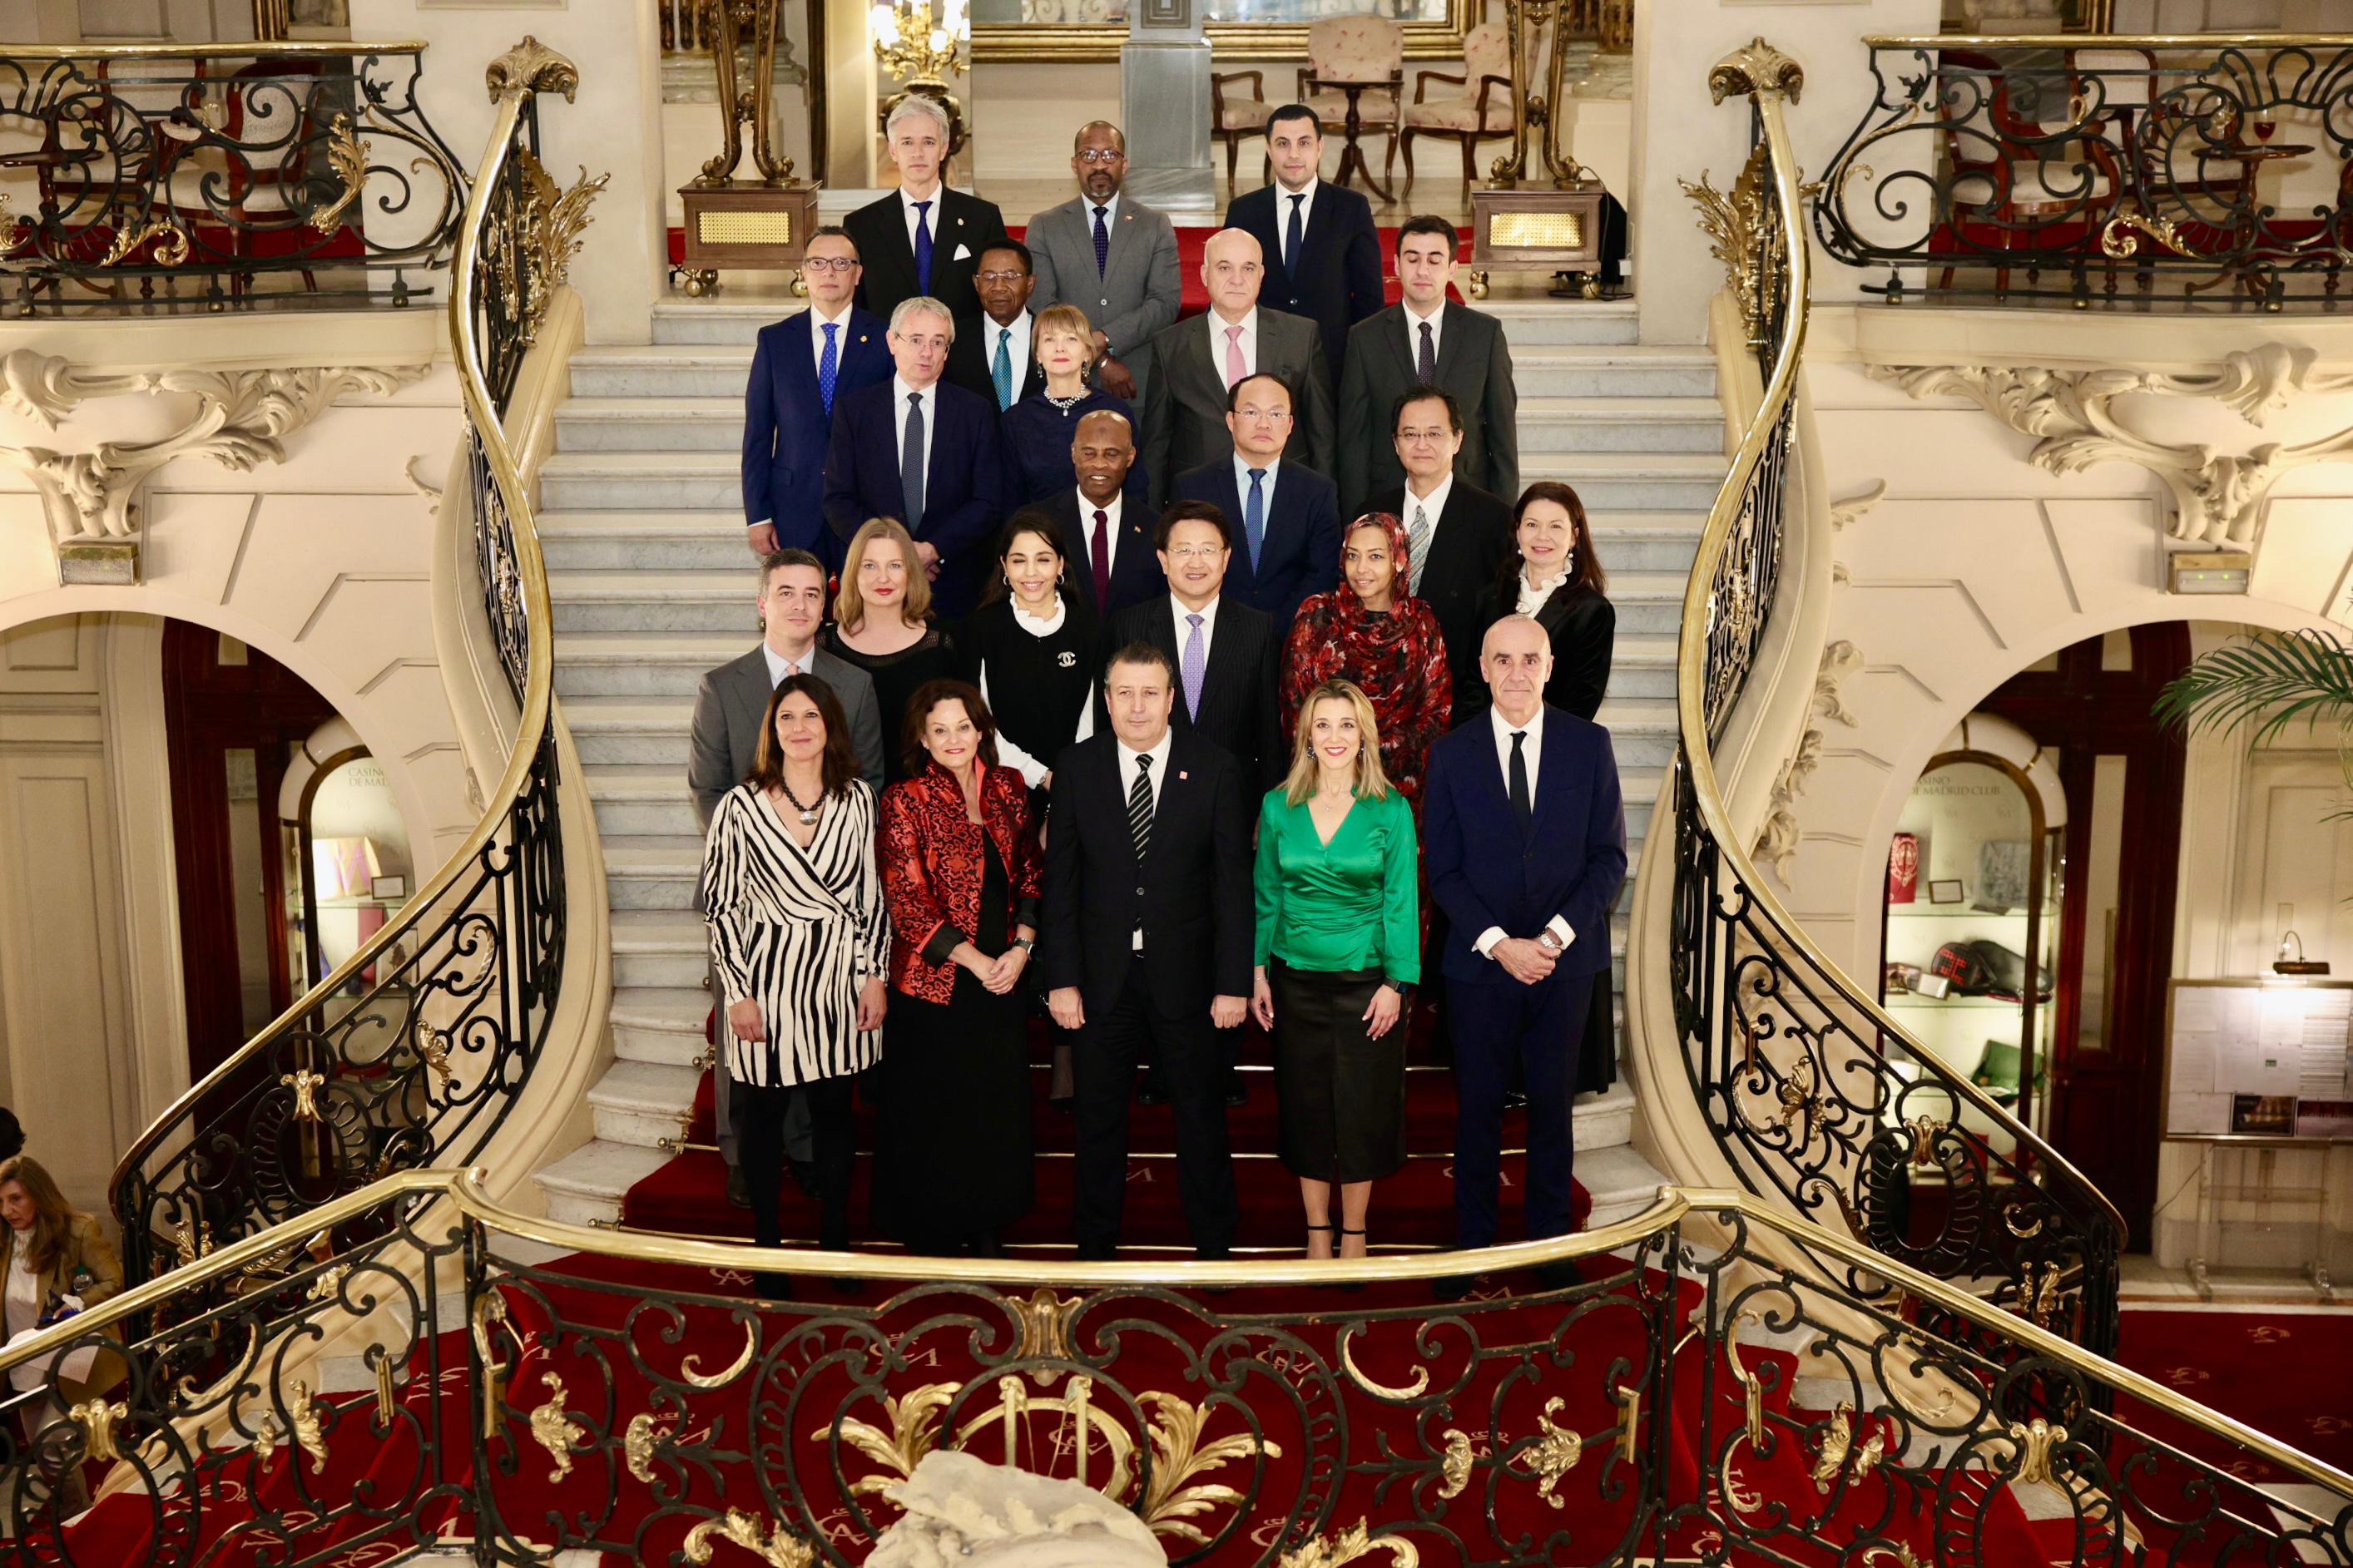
x=1695, y=1399
x=2101, y=168
x=415, y=1050
x=1815, y=1098
x=149, y=179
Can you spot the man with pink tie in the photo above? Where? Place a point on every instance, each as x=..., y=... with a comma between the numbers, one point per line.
x=1198, y=361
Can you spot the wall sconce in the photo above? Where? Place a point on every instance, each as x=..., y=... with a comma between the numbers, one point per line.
x=2289, y=958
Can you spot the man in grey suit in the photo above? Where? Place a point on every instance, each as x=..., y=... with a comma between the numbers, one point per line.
x=1427, y=340
x=1198, y=361
x=1112, y=257
x=729, y=706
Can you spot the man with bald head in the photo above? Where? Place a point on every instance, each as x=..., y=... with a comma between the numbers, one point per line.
x=1108, y=527
x=1525, y=839
x=1112, y=257
x=1197, y=362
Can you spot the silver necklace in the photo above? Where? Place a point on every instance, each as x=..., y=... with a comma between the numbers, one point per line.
x=808, y=813
x=1065, y=404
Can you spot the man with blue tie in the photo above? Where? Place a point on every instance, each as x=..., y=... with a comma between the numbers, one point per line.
x=915, y=448
x=922, y=239
x=1525, y=837
x=1322, y=253
x=801, y=366
x=1290, y=514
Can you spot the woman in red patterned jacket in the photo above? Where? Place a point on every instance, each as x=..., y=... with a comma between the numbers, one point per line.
x=1370, y=630
x=961, y=872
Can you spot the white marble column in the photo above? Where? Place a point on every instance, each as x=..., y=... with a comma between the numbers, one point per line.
x=1165, y=107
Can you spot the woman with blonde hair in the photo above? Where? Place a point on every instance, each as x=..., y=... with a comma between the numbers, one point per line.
x=54, y=1262
x=1038, y=430
x=883, y=623
x=1339, y=949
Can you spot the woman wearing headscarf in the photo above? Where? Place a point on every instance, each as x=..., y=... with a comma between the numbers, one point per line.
x=1371, y=632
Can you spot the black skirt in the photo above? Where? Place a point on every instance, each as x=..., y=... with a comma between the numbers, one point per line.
x=1342, y=1095
x=953, y=1154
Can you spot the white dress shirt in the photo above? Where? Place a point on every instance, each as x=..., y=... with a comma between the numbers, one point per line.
x=1282, y=213
x=1218, y=325
x=1016, y=348
x=1033, y=771
x=1531, y=753
x=1087, y=205
x=1434, y=507
x=801, y=666
x=931, y=213
x=1158, y=773
x=1413, y=325
x=900, y=391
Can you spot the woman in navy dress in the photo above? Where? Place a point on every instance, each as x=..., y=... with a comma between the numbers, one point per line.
x=1039, y=429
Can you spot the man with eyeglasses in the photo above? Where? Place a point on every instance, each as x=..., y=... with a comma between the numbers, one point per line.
x=1290, y=514
x=1458, y=536
x=995, y=354
x=922, y=239
x=802, y=366
x=1197, y=362
x=1112, y=257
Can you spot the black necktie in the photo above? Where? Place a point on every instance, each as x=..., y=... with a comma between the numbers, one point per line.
x=1426, y=365
x=1523, y=806
x=1139, y=807
x=1291, y=234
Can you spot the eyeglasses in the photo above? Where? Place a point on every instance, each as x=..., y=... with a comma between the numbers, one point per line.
x=830, y=263
x=1196, y=551
x=1103, y=155
x=998, y=276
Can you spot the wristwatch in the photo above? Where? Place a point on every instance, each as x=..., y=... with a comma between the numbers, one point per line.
x=1028, y=945
x=1550, y=943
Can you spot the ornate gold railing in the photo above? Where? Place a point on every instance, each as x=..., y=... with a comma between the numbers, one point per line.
x=1693, y=1399
x=413, y=1051
x=1817, y=1098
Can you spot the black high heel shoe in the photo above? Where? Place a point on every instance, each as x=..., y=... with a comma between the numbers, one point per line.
x=1354, y=1287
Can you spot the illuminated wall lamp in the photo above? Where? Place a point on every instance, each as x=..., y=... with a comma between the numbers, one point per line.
x=2290, y=959
x=2207, y=571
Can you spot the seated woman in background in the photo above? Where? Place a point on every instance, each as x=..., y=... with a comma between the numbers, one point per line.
x=54, y=1262
x=1339, y=946
x=1372, y=634
x=883, y=623
x=1037, y=430
x=1556, y=576
x=798, y=939
x=953, y=1160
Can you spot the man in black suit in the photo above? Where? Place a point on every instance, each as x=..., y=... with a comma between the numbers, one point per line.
x=1196, y=363
x=1111, y=533
x=922, y=239
x=1322, y=253
x=1148, y=935
x=1457, y=535
x=1224, y=652
x=995, y=354
x=1425, y=340
x=1290, y=516
x=915, y=448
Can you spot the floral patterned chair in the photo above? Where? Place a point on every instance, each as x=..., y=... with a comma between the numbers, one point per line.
x=1235, y=119
x=1355, y=48
x=1482, y=111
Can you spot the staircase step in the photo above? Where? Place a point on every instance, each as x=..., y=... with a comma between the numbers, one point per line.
x=712, y=540
x=634, y=798
x=626, y=601
x=648, y=663
x=659, y=948
x=1629, y=481
x=1615, y=424
x=663, y=1026
x=1649, y=541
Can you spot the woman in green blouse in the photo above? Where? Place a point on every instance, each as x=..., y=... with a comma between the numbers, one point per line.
x=1339, y=947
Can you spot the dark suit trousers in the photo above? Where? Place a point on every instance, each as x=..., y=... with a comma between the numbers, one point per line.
x=1193, y=1071
x=762, y=1109
x=1497, y=1028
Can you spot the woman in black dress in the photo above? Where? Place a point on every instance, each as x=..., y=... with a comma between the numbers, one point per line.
x=1031, y=648
x=961, y=874
x=1554, y=575
x=883, y=623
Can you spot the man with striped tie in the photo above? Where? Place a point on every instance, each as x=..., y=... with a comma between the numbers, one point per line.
x=1148, y=941
x=801, y=365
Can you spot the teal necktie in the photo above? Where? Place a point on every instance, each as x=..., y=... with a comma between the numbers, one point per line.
x=1001, y=371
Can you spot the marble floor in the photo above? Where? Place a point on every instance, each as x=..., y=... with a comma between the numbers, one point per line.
x=2144, y=1282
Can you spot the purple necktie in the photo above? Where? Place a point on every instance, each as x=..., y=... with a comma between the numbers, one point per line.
x=1102, y=244
x=1195, y=659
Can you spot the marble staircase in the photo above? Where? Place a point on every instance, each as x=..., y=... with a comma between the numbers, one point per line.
x=641, y=523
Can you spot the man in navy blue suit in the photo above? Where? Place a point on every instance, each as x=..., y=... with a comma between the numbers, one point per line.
x=1108, y=528
x=1322, y=253
x=923, y=451
x=1289, y=515
x=1526, y=836
x=803, y=365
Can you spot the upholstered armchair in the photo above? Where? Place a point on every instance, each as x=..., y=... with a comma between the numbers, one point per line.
x=1233, y=117
x=1482, y=111
x=1355, y=48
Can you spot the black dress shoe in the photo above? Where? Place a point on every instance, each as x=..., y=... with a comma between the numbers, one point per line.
x=1454, y=1287
x=1060, y=1103
x=1149, y=1092
x=1515, y=1100
x=739, y=1192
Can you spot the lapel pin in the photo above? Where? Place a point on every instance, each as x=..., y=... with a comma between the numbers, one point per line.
x=1183, y=774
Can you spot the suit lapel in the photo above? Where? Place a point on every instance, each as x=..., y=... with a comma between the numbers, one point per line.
x=1453, y=323
x=1401, y=347
x=896, y=247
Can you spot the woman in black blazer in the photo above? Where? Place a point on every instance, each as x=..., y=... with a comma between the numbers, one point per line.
x=1554, y=574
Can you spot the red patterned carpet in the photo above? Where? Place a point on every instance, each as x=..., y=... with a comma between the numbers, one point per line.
x=2286, y=1374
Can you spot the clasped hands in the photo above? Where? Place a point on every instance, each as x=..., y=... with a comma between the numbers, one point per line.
x=996, y=975
x=1525, y=959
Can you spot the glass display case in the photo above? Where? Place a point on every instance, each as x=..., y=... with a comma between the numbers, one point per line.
x=1970, y=928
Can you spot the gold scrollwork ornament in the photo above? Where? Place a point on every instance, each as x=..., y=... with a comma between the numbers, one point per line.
x=1358, y=1541
x=1838, y=1443
x=305, y=1085
x=1455, y=1469
x=1758, y=67
x=1179, y=1454
x=531, y=66
x=769, y=1541
x=1556, y=1454
x=555, y=1431
x=97, y=1419
x=638, y=1441
x=2035, y=1441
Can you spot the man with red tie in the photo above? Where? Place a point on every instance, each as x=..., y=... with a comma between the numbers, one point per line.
x=1109, y=528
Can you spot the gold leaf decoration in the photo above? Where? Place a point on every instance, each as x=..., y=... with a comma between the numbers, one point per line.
x=1556, y=1454
x=349, y=158
x=97, y=1419
x=1350, y=1544
x=1838, y=1443
x=532, y=236
x=1179, y=1454
x=771, y=1543
x=915, y=1432
x=1455, y=1468
x=173, y=252
x=2036, y=1439
x=638, y=1447
x=555, y=1431
x=301, y=1080
x=688, y=1374
x=1399, y=1393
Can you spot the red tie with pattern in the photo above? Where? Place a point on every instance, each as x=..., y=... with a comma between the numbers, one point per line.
x=1100, y=551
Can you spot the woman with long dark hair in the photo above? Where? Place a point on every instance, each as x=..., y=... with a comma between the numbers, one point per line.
x=799, y=938
x=953, y=1160
x=54, y=1262
x=1554, y=575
